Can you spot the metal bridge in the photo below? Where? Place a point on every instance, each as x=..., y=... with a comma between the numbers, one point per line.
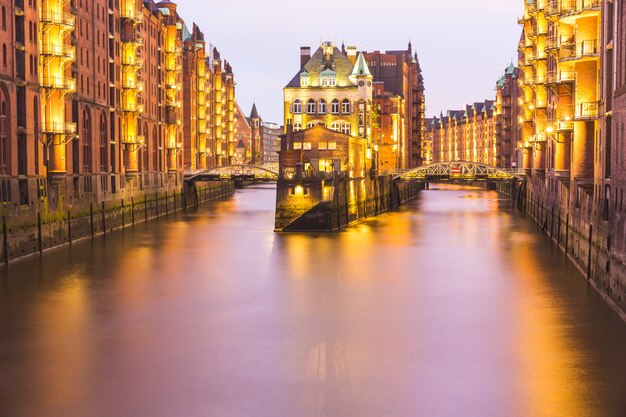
x=459, y=170
x=267, y=172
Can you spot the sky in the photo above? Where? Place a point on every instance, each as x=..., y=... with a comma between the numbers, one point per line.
x=463, y=46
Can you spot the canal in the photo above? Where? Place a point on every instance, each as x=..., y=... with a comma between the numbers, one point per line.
x=456, y=305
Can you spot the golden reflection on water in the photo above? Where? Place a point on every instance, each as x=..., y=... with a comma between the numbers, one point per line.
x=551, y=376
x=449, y=307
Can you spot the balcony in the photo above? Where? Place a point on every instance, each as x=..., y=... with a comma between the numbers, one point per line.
x=537, y=30
x=131, y=14
x=570, y=10
x=58, y=51
x=59, y=128
x=133, y=38
x=553, y=8
x=581, y=51
x=49, y=17
x=130, y=106
x=132, y=61
x=560, y=77
x=171, y=116
x=132, y=85
x=587, y=110
x=58, y=83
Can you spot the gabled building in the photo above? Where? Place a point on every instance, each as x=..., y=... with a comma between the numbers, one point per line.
x=332, y=90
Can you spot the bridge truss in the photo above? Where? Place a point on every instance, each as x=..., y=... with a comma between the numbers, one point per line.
x=267, y=172
x=459, y=170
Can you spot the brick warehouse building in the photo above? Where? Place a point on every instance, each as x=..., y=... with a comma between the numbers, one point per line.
x=486, y=132
x=102, y=100
x=383, y=104
x=572, y=111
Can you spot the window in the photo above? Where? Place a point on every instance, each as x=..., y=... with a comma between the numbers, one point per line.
x=345, y=107
x=103, y=143
x=306, y=146
x=86, y=138
x=321, y=107
x=310, y=106
x=4, y=55
x=310, y=125
x=322, y=146
x=332, y=146
x=4, y=18
x=297, y=126
x=297, y=107
x=334, y=107
x=345, y=128
x=305, y=80
x=297, y=145
x=36, y=134
x=4, y=129
x=335, y=126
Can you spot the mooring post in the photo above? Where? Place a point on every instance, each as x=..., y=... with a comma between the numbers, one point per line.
x=5, y=240
x=104, y=220
x=91, y=217
x=69, y=226
x=589, y=252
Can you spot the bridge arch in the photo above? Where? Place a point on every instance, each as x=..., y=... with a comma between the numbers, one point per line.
x=461, y=170
x=268, y=172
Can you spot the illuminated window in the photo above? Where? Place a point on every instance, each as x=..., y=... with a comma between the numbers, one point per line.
x=297, y=126
x=305, y=79
x=332, y=146
x=310, y=106
x=335, y=126
x=334, y=107
x=329, y=78
x=306, y=146
x=322, y=146
x=345, y=128
x=297, y=106
x=345, y=107
x=310, y=125
x=297, y=145
x=321, y=107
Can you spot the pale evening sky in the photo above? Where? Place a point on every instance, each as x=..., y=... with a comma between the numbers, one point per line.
x=463, y=45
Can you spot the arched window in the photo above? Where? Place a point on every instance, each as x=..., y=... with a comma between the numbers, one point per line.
x=4, y=18
x=4, y=54
x=155, y=150
x=104, y=160
x=310, y=106
x=5, y=131
x=345, y=106
x=144, y=150
x=297, y=126
x=334, y=107
x=321, y=107
x=36, y=143
x=335, y=126
x=297, y=106
x=310, y=125
x=345, y=128
x=86, y=137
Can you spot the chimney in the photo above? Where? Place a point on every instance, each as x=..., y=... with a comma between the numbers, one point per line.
x=305, y=55
x=352, y=54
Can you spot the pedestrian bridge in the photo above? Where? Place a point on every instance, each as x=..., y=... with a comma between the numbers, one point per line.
x=267, y=172
x=459, y=170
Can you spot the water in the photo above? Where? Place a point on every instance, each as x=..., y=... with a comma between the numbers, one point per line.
x=453, y=306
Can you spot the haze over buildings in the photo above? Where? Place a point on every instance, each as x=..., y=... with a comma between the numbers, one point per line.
x=456, y=40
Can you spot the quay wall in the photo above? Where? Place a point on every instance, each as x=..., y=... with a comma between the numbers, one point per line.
x=52, y=229
x=586, y=229
x=327, y=205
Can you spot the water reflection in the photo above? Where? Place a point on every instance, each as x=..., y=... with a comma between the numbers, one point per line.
x=452, y=306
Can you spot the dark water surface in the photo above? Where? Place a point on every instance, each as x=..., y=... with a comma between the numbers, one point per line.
x=454, y=306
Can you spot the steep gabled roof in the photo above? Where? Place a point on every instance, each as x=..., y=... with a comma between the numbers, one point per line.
x=319, y=63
